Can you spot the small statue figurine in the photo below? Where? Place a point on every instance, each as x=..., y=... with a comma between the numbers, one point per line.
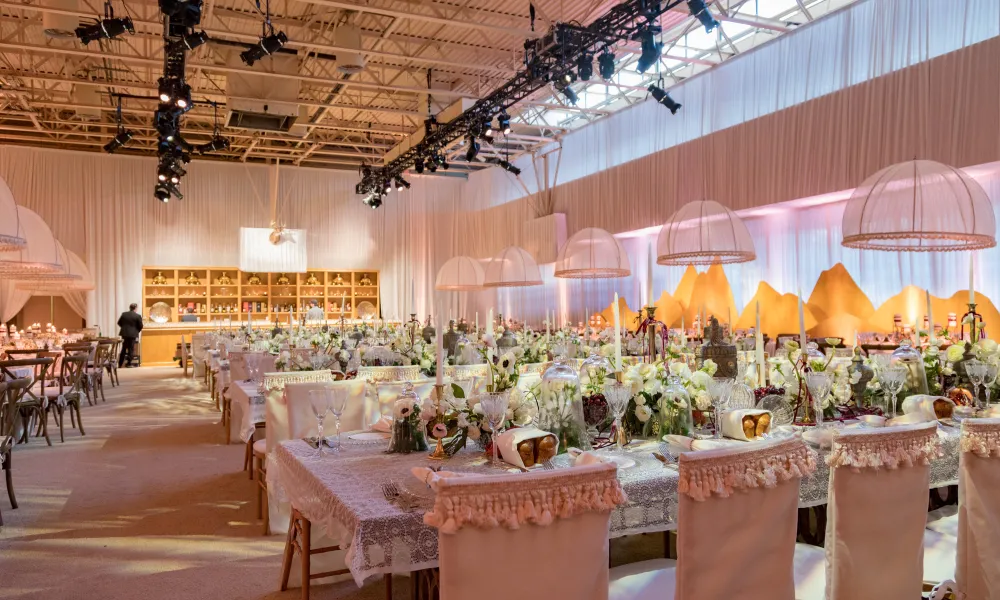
x=225, y=280
x=253, y=280
x=365, y=280
x=192, y=279
x=312, y=280
x=159, y=279
x=283, y=279
x=724, y=355
x=338, y=280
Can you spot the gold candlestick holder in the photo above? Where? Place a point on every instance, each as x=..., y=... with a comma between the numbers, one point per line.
x=438, y=453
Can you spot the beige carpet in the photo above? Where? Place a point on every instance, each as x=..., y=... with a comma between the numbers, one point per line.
x=152, y=504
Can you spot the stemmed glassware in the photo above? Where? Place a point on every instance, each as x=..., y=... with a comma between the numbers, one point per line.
x=820, y=383
x=719, y=389
x=617, y=394
x=337, y=399
x=976, y=371
x=892, y=379
x=992, y=369
x=495, y=412
x=320, y=403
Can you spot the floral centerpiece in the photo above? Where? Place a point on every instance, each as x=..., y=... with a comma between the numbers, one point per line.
x=407, y=426
x=649, y=410
x=463, y=421
x=560, y=406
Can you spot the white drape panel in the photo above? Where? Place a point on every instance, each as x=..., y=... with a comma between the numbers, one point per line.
x=259, y=255
x=11, y=300
x=79, y=301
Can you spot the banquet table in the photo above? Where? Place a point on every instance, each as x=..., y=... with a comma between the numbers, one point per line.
x=342, y=495
x=247, y=406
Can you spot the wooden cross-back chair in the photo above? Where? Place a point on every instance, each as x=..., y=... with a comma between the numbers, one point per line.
x=11, y=393
x=31, y=405
x=67, y=393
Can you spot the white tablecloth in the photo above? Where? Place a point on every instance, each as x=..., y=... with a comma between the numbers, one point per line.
x=247, y=410
x=21, y=372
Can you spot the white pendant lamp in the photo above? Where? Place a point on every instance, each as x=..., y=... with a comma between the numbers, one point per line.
x=460, y=274
x=10, y=239
x=919, y=206
x=592, y=253
x=704, y=232
x=512, y=267
x=40, y=255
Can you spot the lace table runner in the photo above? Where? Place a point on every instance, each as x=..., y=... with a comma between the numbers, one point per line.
x=342, y=494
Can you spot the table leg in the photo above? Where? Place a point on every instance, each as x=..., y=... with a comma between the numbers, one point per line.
x=425, y=584
x=306, y=528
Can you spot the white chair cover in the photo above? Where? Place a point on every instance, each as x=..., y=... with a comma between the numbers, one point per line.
x=977, y=567
x=198, y=354
x=530, y=536
x=877, y=509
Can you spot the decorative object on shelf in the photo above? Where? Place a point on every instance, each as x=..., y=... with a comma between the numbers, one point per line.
x=159, y=312
x=919, y=206
x=714, y=348
x=592, y=253
x=704, y=232
x=312, y=280
x=366, y=310
x=460, y=274
x=365, y=280
x=192, y=279
x=253, y=279
x=224, y=279
x=512, y=267
x=11, y=236
x=283, y=279
x=407, y=428
x=159, y=279
x=338, y=280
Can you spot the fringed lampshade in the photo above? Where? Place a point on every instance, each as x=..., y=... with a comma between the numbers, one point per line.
x=39, y=256
x=75, y=278
x=512, y=267
x=592, y=253
x=704, y=232
x=10, y=239
x=460, y=274
x=919, y=206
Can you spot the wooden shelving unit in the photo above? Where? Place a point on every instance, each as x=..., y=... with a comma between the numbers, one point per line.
x=275, y=296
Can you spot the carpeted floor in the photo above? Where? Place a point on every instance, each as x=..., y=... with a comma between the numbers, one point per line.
x=151, y=504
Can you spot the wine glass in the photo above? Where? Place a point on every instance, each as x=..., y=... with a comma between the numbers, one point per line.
x=976, y=371
x=819, y=383
x=319, y=402
x=494, y=411
x=617, y=394
x=892, y=379
x=719, y=389
x=337, y=398
x=992, y=370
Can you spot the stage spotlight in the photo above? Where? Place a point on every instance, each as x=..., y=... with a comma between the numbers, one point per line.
x=431, y=166
x=650, y=51
x=216, y=143
x=172, y=188
x=569, y=93
x=606, y=64
x=487, y=128
x=386, y=187
x=161, y=193
x=189, y=41
x=418, y=166
x=183, y=97
x=166, y=122
x=266, y=47
x=105, y=29
x=700, y=11
x=509, y=167
x=473, y=149
x=503, y=122
x=661, y=96
x=123, y=137
x=585, y=66
x=402, y=184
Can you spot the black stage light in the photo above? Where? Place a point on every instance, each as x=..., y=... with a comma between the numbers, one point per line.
x=123, y=137
x=161, y=193
x=402, y=184
x=509, y=167
x=105, y=29
x=216, y=143
x=170, y=187
x=432, y=166
x=473, y=149
x=166, y=88
x=375, y=202
x=650, y=51
x=418, y=166
x=700, y=11
x=386, y=187
x=503, y=122
x=266, y=47
x=183, y=97
x=487, y=127
x=661, y=96
x=166, y=123
x=606, y=64
x=189, y=41
x=585, y=66
x=569, y=93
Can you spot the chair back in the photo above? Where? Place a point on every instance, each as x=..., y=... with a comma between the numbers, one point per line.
x=292, y=416
x=71, y=373
x=13, y=392
x=40, y=366
x=748, y=497
x=977, y=571
x=543, y=534
x=87, y=347
x=15, y=353
x=386, y=393
x=877, y=511
x=56, y=358
x=238, y=364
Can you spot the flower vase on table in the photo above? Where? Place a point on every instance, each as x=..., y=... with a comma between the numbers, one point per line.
x=560, y=406
x=675, y=410
x=407, y=428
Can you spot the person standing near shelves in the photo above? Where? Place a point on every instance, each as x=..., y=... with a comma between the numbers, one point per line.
x=315, y=313
x=130, y=324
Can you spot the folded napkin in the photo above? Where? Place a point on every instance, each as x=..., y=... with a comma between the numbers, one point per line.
x=588, y=458
x=920, y=416
x=819, y=436
x=687, y=443
x=525, y=447
x=934, y=407
x=383, y=425
x=746, y=423
x=432, y=478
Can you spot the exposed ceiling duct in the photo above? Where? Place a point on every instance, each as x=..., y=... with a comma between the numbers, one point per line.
x=351, y=63
x=255, y=102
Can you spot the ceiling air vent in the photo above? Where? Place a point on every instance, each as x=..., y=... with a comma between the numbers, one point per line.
x=262, y=102
x=245, y=119
x=349, y=36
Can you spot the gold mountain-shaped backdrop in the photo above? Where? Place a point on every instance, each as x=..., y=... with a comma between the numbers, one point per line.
x=837, y=306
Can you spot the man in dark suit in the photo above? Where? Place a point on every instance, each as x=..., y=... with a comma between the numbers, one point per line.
x=130, y=324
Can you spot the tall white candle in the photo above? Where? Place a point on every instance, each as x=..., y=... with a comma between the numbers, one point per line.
x=802, y=324
x=930, y=319
x=413, y=297
x=548, y=326
x=489, y=332
x=440, y=351
x=972, y=278
x=649, y=275
x=477, y=324
x=759, y=349
x=618, y=338
x=343, y=301
x=684, y=336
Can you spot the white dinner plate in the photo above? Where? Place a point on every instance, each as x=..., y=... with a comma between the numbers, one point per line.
x=368, y=436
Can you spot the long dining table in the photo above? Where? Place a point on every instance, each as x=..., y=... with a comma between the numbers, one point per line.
x=342, y=494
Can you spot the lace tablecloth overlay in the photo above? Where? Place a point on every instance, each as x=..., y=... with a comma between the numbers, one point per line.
x=247, y=407
x=342, y=494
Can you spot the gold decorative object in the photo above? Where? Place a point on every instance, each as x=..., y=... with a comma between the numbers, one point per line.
x=283, y=279
x=253, y=280
x=225, y=280
x=365, y=280
x=312, y=280
x=714, y=348
x=192, y=279
x=159, y=279
x=338, y=280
